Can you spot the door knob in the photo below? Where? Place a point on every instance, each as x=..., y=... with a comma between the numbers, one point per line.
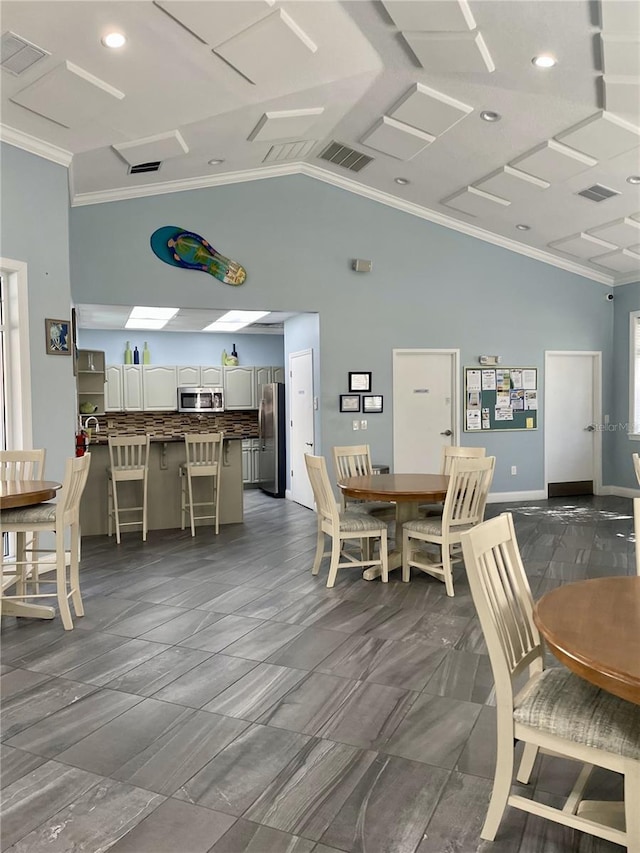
x=590, y=428
x=447, y=432
x=309, y=443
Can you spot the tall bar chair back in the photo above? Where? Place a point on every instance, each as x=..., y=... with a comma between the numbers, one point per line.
x=204, y=459
x=129, y=461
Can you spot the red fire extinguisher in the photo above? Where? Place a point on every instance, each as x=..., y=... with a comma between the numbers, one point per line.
x=82, y=442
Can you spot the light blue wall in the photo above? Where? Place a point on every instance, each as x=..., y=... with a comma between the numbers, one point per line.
x=34, y=228
x=185, y=348
x=626, y=299
x=430, y=287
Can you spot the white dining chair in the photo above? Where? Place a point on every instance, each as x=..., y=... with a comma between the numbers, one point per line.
x=354, y=460
x=341, y=526
x=57, y=518
x=555, y=711
x=450, y=452
x=636, y=512
x=464, y=506
x=204, y=459
x=129, y=462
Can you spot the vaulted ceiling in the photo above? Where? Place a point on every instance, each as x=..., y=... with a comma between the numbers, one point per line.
x=224, y=91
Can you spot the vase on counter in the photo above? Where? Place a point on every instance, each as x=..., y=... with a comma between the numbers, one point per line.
x=146, y=355
x=136, y=356
x=128, y=355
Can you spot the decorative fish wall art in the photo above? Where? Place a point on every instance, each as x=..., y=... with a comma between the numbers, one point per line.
x=189, y=250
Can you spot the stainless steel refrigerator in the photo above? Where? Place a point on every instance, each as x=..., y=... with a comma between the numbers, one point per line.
x=272, y=433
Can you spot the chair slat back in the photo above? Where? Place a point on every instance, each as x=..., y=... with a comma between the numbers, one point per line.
x=75, y=479
x=469, y=483
x=452, y=452
x=503, y=600
x=22, y=464
x=636, y=465
x=352, y=461
x=129, y=452
x=204, y=450
x=321, y=485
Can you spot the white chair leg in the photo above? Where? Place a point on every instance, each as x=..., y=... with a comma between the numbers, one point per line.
x=109, y=507
x=61, y=581
x=335, y=559
x=501, y=785
x=215, y=502
x=144, y=508
x=406, y=568
x=319, y=551
x=190, y=487
x=526, y=763
x=35, y=573
x=631, y=810
x=183, y=500
x=74, y=571
x=636, y=530
x=446, y=567
x=384, y=557
x=116, y=510
x=21, y=556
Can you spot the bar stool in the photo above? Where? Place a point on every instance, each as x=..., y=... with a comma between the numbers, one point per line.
x=129, y=458
x=204, y=459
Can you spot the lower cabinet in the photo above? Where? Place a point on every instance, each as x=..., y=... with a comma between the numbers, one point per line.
x=251, y=461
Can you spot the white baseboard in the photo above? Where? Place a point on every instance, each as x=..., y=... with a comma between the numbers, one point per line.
x=287, y=494
x=505, y=497
x=620, y=492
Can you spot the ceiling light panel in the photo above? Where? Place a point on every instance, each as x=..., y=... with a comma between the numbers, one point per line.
x=512, y=184
x=285, y=124
x=396, y=139
x=141, y=323
x=623, y=233
x=582, y=246
x=160, y=147
x=620, y=16
x=68, y=95
x=428, y=110
x=213, y=23
x=434, y=16
x=623, y=261
x=621, y=55
x=601, y=136
x=445, y=52
x=148, y=312
x=290, y=151
x=553, y=162
x=269, y=51
x=622, y=97
x=475, y=202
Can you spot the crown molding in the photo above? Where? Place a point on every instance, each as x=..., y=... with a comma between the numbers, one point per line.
x=33, y=145
x=629, y=278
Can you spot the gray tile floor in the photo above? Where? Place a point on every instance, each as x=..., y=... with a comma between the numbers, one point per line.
x=217, y=697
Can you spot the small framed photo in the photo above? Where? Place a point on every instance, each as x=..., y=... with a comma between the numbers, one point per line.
x=372, y=404
x=349, y=402
x=359, y=381
x=58, y=337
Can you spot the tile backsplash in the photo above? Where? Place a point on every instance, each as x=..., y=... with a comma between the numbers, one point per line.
x=176, y=424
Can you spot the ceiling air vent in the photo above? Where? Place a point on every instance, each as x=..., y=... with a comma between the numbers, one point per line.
x=597, y=193
x=17, y=54
x=344, y=156
x=145, y=167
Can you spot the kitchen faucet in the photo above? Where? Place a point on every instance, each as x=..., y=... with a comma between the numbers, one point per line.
x=92, y=418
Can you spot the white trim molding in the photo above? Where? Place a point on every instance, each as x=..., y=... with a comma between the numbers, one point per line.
x=19, y=415
x=633, y=429
x=508, y=497
x=620, y=491
x=36, y=146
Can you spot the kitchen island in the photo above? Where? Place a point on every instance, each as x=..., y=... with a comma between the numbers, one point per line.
x=166, y=455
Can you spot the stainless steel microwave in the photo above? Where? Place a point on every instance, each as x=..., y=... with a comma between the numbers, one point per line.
x=192, y=399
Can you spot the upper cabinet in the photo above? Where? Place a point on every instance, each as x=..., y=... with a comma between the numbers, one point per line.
x=159, y=388
x=240, y=388
x=211, y=377
x=90, y=378
x=200, y=376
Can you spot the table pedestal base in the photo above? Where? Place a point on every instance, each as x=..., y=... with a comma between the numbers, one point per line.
x=405, y=511
x=21, y=608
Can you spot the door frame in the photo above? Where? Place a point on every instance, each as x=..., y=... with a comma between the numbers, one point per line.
x=596, y=360
x=290, y=429
x=455, y=401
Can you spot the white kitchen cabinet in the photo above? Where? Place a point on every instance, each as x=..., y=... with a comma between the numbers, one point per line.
x=113, y=389
x=132, y=397
x=159, y=384
x=199, y=376
x=264, y=375
x=278, y=374
x=189, y=376
x=240, y=388
x=250, y=461
x=211, y=376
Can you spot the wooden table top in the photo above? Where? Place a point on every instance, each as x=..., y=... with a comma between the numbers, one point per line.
x=593, y=628
x=15, y=493
x=396, y=487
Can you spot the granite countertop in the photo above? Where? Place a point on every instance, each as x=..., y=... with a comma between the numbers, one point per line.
x=102, y=438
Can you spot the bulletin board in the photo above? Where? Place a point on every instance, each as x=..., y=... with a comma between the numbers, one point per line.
x=497, y=398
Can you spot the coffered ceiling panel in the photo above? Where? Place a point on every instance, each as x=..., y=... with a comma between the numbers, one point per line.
x=429, y=110
x=447, y=52
x=601, y=136
x=624, y=261
x=475, y=202
x=621, y=55
x=435, y=16
x=286, y=124
x=512, y=184
x=623, y=232
x=620, y=16
x=214, y=23
x=153, y=148
x=553, y=162
x=397, y=139
x=582, y=246
x=622, y=97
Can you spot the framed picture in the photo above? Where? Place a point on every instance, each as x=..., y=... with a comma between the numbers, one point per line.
x=58, y=337
x=74, y=340
x=349, y=402
x=359, y=381
x=372, y=404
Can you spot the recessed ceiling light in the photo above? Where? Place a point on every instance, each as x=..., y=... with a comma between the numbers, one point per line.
x=489, y=115
x=215, y=162
x=522, y=227
x=113, y=40
x=402, y=181
x=544, y=61
x=234, y=320
x=143, y=317
x=633, y=179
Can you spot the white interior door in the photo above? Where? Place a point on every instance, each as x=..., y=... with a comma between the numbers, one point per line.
x=425, y=403
x=571, y=415
x=301, y=426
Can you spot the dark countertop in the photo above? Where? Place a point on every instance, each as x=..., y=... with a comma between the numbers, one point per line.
x=102, y=438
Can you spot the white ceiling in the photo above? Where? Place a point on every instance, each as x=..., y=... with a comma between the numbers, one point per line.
x=92, y=316
x=265, y=86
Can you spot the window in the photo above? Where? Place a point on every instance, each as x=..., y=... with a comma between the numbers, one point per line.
x=634, y=376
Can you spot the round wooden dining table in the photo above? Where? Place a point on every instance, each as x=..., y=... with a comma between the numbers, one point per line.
x=406, y=491
x=593, y=628
x=21, y=493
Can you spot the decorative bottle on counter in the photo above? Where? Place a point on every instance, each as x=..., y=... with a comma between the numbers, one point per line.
x=136, y=356
x=234, y=352
x=128, y=356
x=146, y=355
